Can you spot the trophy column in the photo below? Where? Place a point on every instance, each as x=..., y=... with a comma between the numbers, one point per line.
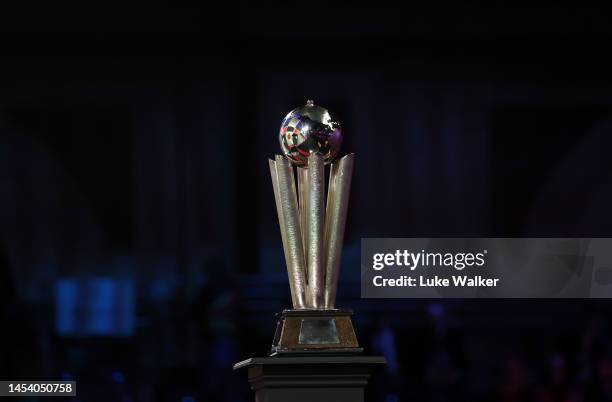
x=312, y=236
x=315, y=354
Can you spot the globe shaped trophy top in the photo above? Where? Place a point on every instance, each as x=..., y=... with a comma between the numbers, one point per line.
x=309, y=129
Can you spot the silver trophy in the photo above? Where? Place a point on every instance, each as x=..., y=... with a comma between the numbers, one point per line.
x=312, y=231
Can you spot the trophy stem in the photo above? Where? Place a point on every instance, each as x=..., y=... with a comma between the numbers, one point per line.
x=281, y=222
x=316, y=220
x=303, y=187
x=287, y=208
x=335, y=220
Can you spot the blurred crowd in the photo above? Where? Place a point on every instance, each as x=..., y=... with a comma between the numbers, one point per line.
x=440, y=366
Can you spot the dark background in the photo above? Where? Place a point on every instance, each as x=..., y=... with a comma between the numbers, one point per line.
x=133, y=148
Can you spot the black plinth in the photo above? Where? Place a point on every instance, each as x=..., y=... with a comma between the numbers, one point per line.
x=310, y=378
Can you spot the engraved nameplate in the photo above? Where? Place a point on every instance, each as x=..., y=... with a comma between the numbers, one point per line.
x=317, y=331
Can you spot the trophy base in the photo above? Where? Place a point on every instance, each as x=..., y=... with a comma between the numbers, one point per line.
x=309, y=331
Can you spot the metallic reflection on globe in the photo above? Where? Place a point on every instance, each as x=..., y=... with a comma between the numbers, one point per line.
x=309, y=129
